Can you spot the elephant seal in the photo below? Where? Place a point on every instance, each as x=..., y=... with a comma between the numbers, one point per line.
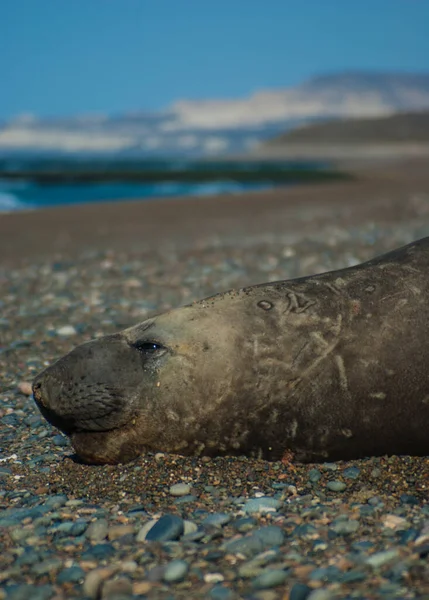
x=328, y=367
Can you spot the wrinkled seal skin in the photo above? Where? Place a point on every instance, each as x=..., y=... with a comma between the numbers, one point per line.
x=333, y=366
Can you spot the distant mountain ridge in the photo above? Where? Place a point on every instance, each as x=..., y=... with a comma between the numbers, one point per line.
x=219, y=127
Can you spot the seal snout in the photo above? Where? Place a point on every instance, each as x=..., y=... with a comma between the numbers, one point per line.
x=84, y=390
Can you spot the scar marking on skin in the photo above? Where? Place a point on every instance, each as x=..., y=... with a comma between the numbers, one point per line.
x=346, y=432
x=344, y=383
x=378, y=395
x=298, y=303
x=333, y=288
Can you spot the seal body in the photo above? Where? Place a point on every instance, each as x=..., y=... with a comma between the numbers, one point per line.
x=333, y=366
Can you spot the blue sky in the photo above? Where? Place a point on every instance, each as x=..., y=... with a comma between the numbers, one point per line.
x=60, y=57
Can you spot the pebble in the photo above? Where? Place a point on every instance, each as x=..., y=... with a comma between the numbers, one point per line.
x=180, y=489
x=66, y=330
x=336, y=486
x=97, y=530
x=168, y=527
x=299, y=591
x=262, y=505
x=270, y=578
x=176, y=570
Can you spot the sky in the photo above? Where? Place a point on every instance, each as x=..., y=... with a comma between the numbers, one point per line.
x=63, y=57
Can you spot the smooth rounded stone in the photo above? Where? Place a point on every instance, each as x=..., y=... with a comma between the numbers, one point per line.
x=194, y=536
x=168, y=527
x=180, y=489
x=353, y=576
x=56, y=501
x=117, y=531
x=220, y=592
x=270, y=578
x=245, y=524
x=336, y=486
x=31, y=592
x=330, y=574
x=94, y=580
x=116, y=588
x=329, y=466
x=66, y=330
x=71, y=575
x=216, y=520
x=176, y=570
x=185, y=499
x=261, y=505
x=189, y=527
x=351, y=473
x=314, y=475
x=299, y=591
x=375, y=473
x=345, y=527
x=409, y=499
x=46, y=566
x=141, y=536
x=321, y=594
x=379, y=559
x=260, y=540
x=99, y=552
x=19, y=534
x=97, y=530
x=60, y=440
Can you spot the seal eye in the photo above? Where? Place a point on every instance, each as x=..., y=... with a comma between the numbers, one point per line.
x=148, y=347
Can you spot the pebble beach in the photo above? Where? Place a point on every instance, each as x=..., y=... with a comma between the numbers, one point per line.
x=165, y=526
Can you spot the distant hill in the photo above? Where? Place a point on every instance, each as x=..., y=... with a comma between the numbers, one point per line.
x=403, y=127
x=213, y=127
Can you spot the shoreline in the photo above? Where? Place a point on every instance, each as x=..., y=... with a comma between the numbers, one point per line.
x=376, y=194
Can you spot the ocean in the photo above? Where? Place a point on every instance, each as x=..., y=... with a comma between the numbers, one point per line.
x=27, y=195
x=31, y=184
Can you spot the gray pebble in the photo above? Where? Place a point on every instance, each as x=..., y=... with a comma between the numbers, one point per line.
x=261, y=505
x=269, y=578
x=336, y=486
x=180, y=489
x=97, y=530
x=216, y=520
x=176, y=570
x=345, y=527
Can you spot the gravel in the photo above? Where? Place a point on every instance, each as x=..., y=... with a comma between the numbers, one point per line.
x=165, y=526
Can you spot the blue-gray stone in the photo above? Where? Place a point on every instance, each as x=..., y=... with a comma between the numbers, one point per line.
x=56, y=501
x=30, y=592
x=330, y=574
x=342, y=527
x=351, y=473
x=60, y=440
x=269, y=578
x=220, y=592
x=99, y=552
x=245, y=524
x=168, y=527
x=262, y=505
x=71, y=575
x=260, y=540
x=300, y=591
x=408, y=499
x=353, y=576
x=314, y=475
x=176, y=570
x=216, y=520
x=185, y=499
x=46, y=566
